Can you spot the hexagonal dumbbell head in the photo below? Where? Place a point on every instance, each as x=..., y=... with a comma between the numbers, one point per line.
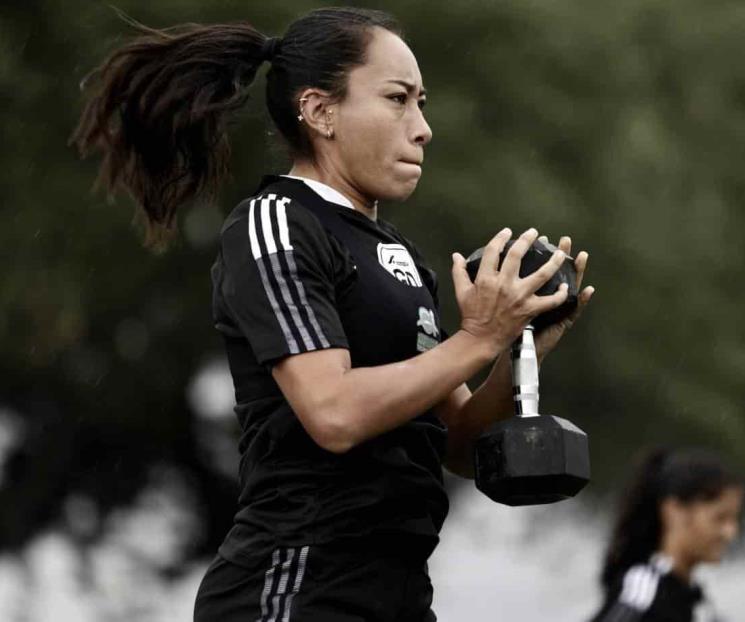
x=532, y=460
x=538, y=254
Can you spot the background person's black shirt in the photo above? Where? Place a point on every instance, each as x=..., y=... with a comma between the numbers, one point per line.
x=298, y=273
x=651, y=592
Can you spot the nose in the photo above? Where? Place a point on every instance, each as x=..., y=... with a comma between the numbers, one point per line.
x=421, y=131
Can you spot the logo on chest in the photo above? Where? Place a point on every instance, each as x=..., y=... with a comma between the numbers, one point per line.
x=398, y=262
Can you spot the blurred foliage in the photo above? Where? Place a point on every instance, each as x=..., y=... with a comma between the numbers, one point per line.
x=620, y=123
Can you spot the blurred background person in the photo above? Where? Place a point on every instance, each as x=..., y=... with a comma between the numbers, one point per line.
x=682, y=508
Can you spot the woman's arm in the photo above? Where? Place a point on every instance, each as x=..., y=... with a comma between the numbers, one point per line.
x=341, y=407
x=467, y=414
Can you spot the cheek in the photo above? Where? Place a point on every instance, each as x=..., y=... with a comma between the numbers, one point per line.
x=709, y=535
x=370, y=158
x=370, y=147
x=366, y=138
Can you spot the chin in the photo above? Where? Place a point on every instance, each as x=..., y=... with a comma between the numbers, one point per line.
x=714, y=556
x=406, y=187
x=397, y=191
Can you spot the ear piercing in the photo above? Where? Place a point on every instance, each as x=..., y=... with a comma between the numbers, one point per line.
x=329, y=131
x=302, y=101
x=301, y=118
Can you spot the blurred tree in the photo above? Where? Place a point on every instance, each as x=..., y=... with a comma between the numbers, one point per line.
x=619, y=123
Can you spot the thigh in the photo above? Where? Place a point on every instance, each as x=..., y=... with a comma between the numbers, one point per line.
x=276, y=589
x=228, y=593
x=362, y=584
x=326, y=583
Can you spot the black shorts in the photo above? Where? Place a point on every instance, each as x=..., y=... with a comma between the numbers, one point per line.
x=353, y=581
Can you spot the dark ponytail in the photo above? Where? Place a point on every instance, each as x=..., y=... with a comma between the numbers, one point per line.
x=684, y=474
x=159, y=105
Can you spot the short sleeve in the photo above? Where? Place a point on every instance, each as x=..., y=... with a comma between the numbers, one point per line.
x=631, y=598
x=277, y=279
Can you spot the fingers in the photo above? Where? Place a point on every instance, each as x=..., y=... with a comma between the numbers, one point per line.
x=534, y=281
x=582, y=299
x=565, y=244
x=546, y=303
x=490, y=257
x=580, y=264
x=461, y=280
x=511, y=265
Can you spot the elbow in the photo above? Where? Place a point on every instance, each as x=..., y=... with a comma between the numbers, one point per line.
x=333, y=434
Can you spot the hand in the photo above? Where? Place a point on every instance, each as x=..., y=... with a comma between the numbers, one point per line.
x=498, y=304
x=549, y=337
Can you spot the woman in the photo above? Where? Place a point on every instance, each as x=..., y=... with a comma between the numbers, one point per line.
x=349, y=397
x=681, y=509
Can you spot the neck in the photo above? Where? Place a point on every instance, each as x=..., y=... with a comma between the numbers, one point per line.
x=317, y=172
x=683, y=564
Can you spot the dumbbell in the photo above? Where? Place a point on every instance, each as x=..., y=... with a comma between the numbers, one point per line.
x=532, y=459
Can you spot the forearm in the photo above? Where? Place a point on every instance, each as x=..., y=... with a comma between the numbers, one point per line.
x=356, y=404
x=490, y=402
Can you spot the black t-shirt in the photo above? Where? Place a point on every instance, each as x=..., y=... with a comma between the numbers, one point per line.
x=298, y=273
x=651, y=592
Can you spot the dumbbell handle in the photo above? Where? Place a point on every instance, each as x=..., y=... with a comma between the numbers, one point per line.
x=525, y=390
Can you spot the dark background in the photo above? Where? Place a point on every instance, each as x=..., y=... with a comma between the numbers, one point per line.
x=620, y=123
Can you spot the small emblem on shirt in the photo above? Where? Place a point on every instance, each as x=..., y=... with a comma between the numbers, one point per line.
x=398, y=262
x=428, y=333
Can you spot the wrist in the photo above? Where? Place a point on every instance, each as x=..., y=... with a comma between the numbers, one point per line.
x=486, y=350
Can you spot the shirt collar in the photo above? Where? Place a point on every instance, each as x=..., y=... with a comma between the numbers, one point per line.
x=327, y=193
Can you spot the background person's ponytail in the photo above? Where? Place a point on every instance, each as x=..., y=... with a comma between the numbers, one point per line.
x=637, y=529
x=157, y=112
x=684, y=474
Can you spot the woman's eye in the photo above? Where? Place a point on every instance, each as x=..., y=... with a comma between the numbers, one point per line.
x=422, y=103
x=399, y=99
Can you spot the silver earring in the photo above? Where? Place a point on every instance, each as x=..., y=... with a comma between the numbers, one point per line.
x=302, y=101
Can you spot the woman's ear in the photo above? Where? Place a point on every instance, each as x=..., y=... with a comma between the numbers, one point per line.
x=314, y=106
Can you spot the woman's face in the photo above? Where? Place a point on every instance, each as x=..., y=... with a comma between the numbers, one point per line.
x=379, y=128
x=705, y=528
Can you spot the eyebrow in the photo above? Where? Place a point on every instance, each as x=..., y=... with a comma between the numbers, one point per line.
x=409, y=86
